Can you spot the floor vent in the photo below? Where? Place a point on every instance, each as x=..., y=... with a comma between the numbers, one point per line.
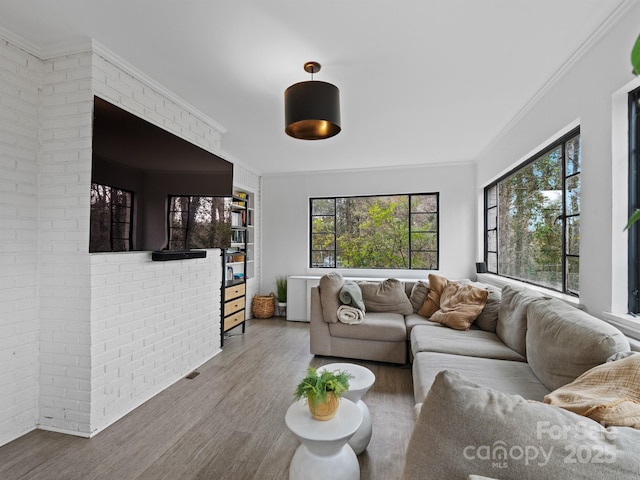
x=193, y=375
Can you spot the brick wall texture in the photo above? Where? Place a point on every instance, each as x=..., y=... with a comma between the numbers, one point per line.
x=85, y=338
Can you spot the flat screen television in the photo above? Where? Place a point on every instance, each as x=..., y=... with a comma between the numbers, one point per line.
x=152, y=190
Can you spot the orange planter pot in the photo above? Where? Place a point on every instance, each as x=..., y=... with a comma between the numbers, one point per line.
x=324, y=410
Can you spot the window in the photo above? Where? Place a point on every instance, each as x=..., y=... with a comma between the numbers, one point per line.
x=389, y=231
x=111, y=213
x=634, y=203
x=532, y=219
x=199, y=222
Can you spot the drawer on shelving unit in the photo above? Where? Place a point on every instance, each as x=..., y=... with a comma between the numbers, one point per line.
x=233, y=306
x=234, y=291
x=233, y=320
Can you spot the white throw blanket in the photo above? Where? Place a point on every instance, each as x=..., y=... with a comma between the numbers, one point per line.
x=350, y=315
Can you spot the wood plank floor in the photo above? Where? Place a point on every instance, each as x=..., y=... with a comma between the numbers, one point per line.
x=227, y=423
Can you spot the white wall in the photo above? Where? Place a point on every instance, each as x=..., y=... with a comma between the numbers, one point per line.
x=285, y=215
x=64, y=162
x=151, y=324
x=19, y=305
x=584, y=94
x=69, y=361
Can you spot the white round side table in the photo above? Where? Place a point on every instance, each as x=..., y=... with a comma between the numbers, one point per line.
x=359, y=385
x=324, y=452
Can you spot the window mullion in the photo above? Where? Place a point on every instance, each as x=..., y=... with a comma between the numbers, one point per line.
x=564, y=216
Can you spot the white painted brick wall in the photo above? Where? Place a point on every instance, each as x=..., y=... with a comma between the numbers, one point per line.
x=153, y=322
x=86, y=338
x=19, y=80
x=65, y=294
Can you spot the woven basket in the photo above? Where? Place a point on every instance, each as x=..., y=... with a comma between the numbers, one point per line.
x=263, y=306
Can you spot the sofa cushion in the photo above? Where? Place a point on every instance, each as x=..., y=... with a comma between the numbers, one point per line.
x=418, y=294
x=608, y=393
x=460, y=305
x=386, y=296
x=512, y=317
x=488, y=318
x=431, y=303
x=563, y=342
x=472, y=343
x=466, y=429
x=380, y=326
x=414, y=320
x=504, y=375
x=330, y=286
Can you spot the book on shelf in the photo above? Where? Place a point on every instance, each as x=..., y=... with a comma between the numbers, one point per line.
x=238, y=236
x=237, y=219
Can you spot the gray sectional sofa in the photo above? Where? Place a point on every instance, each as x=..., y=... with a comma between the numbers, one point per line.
x=479, y=392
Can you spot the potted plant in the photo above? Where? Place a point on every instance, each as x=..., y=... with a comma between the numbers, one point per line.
x=322, y=391
x=281, y=293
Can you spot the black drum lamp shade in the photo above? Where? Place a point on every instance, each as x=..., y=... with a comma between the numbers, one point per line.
x=312, y=109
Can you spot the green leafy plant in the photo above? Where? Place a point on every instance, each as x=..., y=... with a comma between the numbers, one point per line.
x=281, y=288
x=634, y=218
x=635, y=57
x=635, y=63
x=315, y=386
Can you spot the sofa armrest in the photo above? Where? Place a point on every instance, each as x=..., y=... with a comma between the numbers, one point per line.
x=320, y=338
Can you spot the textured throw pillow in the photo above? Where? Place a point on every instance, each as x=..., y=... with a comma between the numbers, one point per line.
x=460, y=305
x=330, y=286
x=608, y=393
x=488, y=318
x=432, y=302
x=386, y=296
x=465, y=429
x=418, y=294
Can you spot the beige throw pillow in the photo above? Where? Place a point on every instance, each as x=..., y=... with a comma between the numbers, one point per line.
x=608, y=393
x=432, y=302
x=460, y=305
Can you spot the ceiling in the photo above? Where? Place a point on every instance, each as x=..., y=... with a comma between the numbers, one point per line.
x=421, y=81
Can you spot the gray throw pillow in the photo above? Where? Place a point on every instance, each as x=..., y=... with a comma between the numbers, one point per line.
x=488, y=318
x=466, y=429
x=386, y=296
x=419, y=292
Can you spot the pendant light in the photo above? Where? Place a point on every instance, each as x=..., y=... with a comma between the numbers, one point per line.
x=312, y=109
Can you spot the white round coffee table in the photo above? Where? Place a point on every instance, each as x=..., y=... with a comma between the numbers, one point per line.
x=359, y=385
x=324, y=452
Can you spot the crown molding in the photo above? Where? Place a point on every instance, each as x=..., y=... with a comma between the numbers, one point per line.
x=394, y=168
x=20, y=43
x=603, y=29
x=111, y=57
x=92, y=46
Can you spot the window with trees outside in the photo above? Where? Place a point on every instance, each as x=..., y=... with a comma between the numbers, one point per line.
x=374, y=232
x=532, y=219
x=111, y=214
x=199, y=222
